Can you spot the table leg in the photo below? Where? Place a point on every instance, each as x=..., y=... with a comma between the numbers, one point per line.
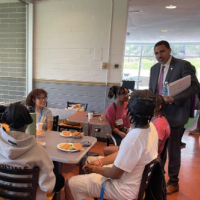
x=90, y=134
x=89, y=129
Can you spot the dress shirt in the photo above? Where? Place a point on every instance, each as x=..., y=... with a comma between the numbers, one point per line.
x=167, y=64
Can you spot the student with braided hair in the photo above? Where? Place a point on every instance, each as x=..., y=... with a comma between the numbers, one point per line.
x=116, y=113
x=160, y=123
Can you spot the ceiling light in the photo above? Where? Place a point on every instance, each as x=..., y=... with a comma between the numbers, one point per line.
x=162, y=36
x=164, y=30
x=170, y=7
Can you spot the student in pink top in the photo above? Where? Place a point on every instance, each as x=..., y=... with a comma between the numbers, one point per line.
x=160, y=123
x=116, y=113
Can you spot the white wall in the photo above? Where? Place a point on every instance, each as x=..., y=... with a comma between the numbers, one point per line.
x=67, y=33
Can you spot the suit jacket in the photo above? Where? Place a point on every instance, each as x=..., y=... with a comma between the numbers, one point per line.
x=177, y=113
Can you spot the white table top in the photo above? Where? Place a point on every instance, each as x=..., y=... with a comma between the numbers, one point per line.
x=53, y=138
x=62, y=113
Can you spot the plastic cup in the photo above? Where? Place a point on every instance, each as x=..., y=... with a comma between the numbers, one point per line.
x=39, y=126
x=90, y=115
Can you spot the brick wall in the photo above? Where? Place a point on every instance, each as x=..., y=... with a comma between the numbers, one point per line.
x=67, y=33
x=12, y=51
x=66, y=36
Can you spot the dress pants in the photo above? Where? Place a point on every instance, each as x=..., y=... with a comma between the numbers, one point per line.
x=174, y=153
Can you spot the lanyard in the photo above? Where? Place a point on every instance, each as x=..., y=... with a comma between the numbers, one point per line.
x=102, y=192
x=40, y=115
x=115, y=107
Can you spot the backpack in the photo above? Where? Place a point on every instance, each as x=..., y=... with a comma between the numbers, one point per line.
x=156, y=189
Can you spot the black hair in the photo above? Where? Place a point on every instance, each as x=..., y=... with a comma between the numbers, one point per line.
x=116, y=90
x=161, y=43
x=160, y=102
x=140, y=110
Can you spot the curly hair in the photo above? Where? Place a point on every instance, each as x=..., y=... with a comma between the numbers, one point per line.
x=33, y=95
x=160, y=106
x=116, y=90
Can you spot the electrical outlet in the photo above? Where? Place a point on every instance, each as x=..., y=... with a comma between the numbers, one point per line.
x=97, y=130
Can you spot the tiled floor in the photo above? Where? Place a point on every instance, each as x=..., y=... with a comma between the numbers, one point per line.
x=189, y=173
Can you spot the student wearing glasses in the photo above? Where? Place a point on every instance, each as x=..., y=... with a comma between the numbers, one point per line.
x=37, y=99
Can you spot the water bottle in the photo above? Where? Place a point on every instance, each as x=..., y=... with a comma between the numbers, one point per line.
x=31, y=129
x=165, y=90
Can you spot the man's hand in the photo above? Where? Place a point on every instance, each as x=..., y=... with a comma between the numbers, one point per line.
x=168, y=99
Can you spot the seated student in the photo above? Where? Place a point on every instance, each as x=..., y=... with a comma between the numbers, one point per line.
x=116, y=113
x=123, y=176
x=160, y=123
x=37, y=99
x=20, y=150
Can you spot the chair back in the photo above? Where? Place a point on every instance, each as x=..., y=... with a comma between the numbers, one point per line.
x=55, y=123
x=130, y=85
x=164, y=152
x=145, y=178
x=30, y=190
x=69, y=104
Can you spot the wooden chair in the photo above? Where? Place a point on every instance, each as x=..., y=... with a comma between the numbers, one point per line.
x=55, y=123
x=145, y=179
x=69, y=104
x=30, y=190
x=72, y=125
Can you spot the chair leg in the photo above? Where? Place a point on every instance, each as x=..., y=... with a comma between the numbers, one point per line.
x=108, y=142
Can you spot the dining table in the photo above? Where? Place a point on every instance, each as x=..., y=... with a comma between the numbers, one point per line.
x=62, y=113
x=50, y=141
x=81, y=117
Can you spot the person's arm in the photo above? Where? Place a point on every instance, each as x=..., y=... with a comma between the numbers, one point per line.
x=46, y=180
x=49, y=120
x=118, y=132
x=159, y=143
x=110, y=172
x=104, y=161
x=188, y=69
x=150, y=81
x=49, y=126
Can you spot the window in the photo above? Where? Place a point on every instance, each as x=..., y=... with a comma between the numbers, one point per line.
x=139, y=58
x=15, y=50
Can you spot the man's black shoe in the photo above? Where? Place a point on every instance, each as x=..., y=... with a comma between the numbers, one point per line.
x=183, y=144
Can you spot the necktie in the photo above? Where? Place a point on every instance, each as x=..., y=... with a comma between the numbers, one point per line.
x=160, y=82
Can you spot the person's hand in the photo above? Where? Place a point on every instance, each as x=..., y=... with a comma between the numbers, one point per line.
x=96, y=162
x=88, y=169
x=168, y=99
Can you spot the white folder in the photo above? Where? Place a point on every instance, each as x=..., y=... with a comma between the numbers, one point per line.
x=179, y=86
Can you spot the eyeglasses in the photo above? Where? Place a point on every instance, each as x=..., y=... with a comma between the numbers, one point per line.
x=41, y=98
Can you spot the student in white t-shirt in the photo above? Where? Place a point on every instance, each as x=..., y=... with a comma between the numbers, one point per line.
x=121, y=172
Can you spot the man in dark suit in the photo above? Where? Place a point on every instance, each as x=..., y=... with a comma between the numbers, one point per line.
x=177, y=111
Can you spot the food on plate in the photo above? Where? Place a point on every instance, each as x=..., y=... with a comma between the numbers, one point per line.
x=77, y=134
x=66, y=133
x=77, y=146
x=65, y=146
